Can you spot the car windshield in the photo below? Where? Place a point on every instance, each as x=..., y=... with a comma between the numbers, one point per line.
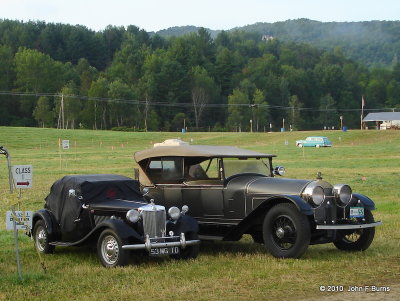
x=233, y=166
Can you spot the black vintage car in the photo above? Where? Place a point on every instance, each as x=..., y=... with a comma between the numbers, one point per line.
x=111, y=211
x=233, y=191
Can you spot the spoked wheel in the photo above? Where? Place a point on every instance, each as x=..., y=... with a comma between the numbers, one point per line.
x=189, y=252
x=300, y=145
x=359, y=239
x=109, y=250
x=41, y=238
x=286, y=231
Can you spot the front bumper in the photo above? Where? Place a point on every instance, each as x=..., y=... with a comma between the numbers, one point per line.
x=347, y=227
x=162, y=242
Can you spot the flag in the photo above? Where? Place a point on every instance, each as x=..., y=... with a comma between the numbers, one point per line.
x=362, y=102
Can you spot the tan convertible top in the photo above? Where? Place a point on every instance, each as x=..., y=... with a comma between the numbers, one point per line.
x=183, y=149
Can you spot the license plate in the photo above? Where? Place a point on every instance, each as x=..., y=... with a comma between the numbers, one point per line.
x=356, y=212
x=164, y=251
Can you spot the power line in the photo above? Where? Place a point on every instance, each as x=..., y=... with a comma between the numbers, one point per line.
x=168, y=104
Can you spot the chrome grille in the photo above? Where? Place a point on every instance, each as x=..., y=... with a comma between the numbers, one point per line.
x=154, y=222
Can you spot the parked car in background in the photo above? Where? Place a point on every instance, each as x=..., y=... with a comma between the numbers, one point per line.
x=110, y=211
x=314, y=141
x=233, y=191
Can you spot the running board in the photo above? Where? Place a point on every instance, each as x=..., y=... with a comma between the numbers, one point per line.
x=210, y=237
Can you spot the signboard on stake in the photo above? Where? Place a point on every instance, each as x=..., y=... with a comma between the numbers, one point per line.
x=65, y=144
x=22, y=175
x=23, y=221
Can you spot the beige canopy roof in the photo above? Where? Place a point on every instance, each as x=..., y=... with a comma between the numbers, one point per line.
x=209, y=151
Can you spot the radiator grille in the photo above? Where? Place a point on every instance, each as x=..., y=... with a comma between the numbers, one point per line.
x=154, y=222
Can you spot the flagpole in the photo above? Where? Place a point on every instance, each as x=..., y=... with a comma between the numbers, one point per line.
x=362, y=111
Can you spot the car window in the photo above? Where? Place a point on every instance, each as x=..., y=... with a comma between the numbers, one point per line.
x=233, y=166
x=165, y=170
x=210, y=168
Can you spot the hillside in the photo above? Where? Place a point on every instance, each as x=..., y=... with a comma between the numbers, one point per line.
x=372, y=43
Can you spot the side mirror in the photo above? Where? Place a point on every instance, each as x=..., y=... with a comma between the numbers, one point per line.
x=279, y=171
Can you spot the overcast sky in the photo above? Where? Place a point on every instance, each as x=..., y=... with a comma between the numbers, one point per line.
x=154, y=15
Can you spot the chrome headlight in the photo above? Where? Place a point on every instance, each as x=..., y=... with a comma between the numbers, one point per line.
x=279, y=171
x=132, y=215
x=314, y=194
x=174, y=213
x=342, y=194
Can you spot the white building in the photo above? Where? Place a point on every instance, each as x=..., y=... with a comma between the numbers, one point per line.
x=384, y=120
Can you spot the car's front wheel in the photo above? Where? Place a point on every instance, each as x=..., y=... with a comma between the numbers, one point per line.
x=41, y=238
x=286, y=231
x=359, y=239
x=300, y=145
x=109, y=250
x=190, y=252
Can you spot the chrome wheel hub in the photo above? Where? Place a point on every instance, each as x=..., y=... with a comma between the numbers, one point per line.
x=110, y=249
x=280, y=233
x=41, y=239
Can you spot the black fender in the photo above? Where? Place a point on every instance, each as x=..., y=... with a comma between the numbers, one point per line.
x=256, y=217
x=366, y=201
x=52, y=227
x=126, y=232
x=184, y=224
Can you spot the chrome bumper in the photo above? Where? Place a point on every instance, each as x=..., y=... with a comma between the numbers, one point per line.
x=346, y=227
x=148, y=245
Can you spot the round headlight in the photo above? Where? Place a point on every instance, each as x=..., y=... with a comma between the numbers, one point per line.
x=342, y=194
x=318, y=195
x=132, y=215
x=174, y=213
x=314, y=194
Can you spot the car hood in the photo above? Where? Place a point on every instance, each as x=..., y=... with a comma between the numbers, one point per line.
x=274, y=186
x=116, y=205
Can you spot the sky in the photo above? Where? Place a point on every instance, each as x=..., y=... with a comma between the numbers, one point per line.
x=155, y=15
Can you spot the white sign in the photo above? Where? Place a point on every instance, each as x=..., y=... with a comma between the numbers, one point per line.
x=22, y=175
x=24, y=220
x=65, y=144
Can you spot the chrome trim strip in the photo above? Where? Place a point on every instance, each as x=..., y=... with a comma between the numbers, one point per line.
x=344, y=227
x=160, y=245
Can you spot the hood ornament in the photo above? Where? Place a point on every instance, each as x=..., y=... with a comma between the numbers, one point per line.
x=319, y=175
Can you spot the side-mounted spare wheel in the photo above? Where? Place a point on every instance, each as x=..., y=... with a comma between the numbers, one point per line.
x=359, y=239
x=41, y=238
x=286, y=231
x=109, y=250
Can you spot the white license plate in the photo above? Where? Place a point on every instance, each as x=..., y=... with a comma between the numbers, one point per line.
x=164, y=251
x=356, y=212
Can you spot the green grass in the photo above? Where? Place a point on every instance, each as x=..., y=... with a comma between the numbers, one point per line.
x=367, y=160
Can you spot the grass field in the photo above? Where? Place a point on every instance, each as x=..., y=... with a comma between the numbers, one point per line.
x=369, y=161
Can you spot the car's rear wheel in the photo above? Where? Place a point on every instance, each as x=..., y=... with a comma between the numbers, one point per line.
x=41, y=238
x=286, y=231
x=359, y=239
x=190, y=252
x=109, y=250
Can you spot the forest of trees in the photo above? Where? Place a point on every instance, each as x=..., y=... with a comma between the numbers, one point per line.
x=125, y=78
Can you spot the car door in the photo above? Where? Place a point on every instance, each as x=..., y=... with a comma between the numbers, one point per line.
x=203, y=190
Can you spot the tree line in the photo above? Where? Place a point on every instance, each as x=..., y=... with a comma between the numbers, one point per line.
x=125, y=78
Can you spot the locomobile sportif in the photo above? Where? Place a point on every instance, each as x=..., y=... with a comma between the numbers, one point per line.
x=111, y=211
x=233, y=191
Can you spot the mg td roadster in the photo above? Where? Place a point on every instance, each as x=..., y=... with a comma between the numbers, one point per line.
x=111, y=212
x=233, y=191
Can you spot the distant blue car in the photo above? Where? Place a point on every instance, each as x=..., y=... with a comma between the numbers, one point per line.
x=314, y=141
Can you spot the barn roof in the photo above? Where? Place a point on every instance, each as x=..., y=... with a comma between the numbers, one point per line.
x=382, y=116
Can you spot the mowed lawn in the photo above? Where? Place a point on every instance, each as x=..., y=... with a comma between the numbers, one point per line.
x=369, y=161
